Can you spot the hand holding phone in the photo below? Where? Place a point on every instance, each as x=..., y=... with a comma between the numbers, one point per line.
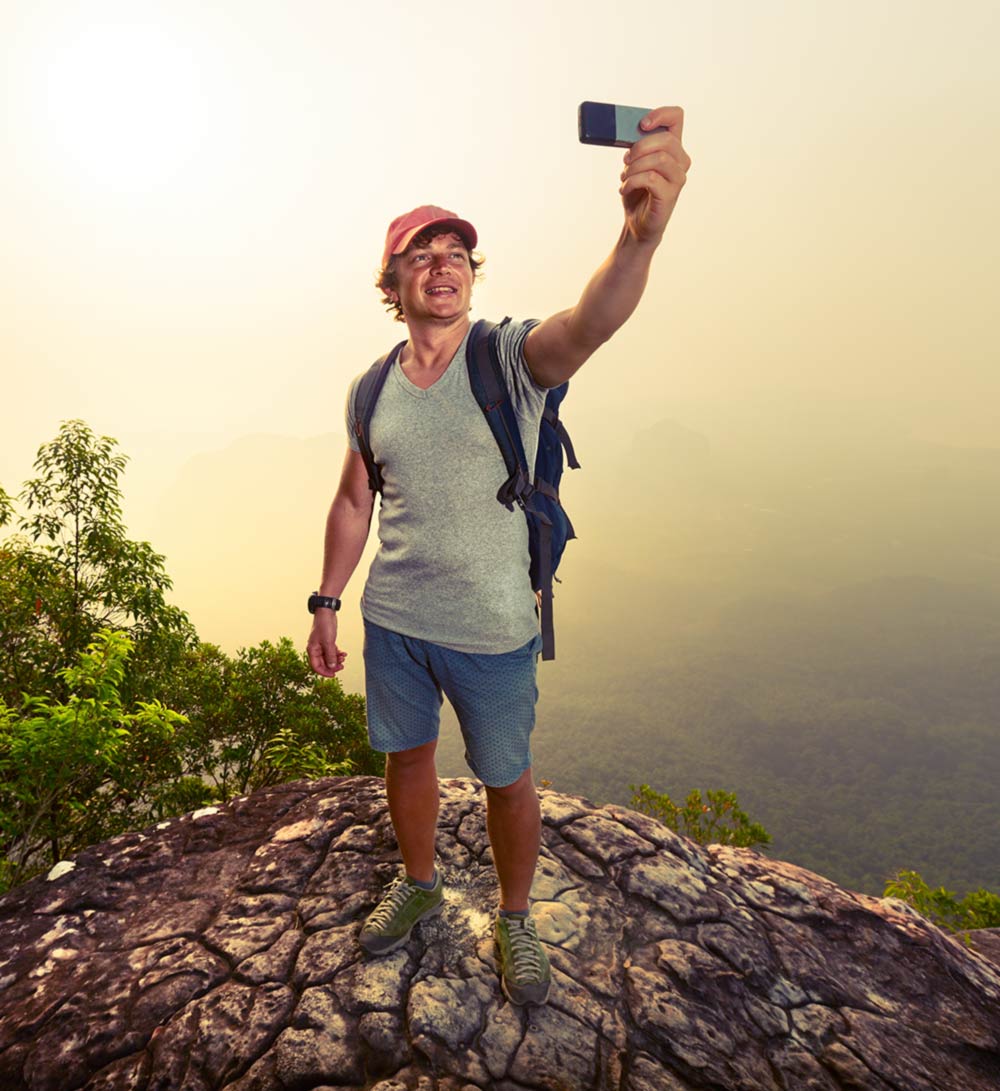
x=655, y=164
x=611, y=126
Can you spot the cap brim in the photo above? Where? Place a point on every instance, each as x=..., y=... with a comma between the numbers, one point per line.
x=462, y=228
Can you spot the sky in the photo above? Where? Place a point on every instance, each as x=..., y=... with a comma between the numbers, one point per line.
x=193, y=201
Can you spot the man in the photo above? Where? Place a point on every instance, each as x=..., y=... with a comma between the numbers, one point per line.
x=448, y=606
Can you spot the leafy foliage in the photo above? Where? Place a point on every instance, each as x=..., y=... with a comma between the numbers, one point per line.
x=264, y=717
x=30, y=648
x=716, y=819
x=287, y=757
x=81, y=769
x=112, y=714
x=979, y=909
x=72, y=571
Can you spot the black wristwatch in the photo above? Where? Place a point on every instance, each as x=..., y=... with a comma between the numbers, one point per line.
x=322, y=602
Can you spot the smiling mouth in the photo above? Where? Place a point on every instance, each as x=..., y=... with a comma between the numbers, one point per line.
x=441, y=290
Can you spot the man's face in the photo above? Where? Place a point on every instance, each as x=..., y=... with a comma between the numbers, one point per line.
x=435, y=279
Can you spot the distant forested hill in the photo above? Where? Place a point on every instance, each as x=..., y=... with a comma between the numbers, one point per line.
x=814, y=627
x=860, y=727
x=805, y=610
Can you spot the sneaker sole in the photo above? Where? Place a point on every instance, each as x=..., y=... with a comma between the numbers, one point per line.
x=432, y=912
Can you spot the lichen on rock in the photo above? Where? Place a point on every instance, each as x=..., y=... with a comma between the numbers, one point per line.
x=219, y=950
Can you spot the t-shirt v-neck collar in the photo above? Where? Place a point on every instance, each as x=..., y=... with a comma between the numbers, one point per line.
x=440, y=382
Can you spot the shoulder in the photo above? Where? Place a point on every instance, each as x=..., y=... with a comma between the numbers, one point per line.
x=511, y=335
x=364, y=385
x=352, y=395
x=360, y=382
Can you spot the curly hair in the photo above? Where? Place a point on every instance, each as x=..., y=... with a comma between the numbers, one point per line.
x=386, y=280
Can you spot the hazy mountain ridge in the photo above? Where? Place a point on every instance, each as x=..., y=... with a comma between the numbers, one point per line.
x=814, y=625
x=864, y=741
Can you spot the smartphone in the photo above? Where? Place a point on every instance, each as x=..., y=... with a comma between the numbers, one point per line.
x=610, y=125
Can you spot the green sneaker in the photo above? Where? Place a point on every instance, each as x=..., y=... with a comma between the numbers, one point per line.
x=391, y=921
x=524, y=966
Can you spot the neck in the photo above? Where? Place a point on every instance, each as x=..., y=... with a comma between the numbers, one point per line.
x=432, y=345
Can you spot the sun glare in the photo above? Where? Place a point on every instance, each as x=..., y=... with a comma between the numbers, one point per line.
x=123, y=106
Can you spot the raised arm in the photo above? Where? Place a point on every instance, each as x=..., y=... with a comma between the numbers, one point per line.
x=655, y=171
x=346, y=533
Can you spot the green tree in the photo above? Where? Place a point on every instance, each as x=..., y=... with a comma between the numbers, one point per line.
x=82, y=769
x=979, y=909
x=263, y=717
x=716, y=819
x=29, y=644
x=73, y=571
x=85, y=752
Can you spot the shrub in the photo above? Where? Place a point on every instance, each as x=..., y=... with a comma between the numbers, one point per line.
x=716, y=819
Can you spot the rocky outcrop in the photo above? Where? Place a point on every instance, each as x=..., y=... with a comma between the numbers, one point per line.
x=218, y=950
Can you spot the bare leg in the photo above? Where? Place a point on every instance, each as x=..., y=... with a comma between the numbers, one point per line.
x=411, y=786
x=514, y=823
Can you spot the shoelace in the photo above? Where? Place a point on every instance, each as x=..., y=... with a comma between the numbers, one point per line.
x=393, y=901
x=524, y=949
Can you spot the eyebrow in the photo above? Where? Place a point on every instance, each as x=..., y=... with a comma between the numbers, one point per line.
x=452, y=246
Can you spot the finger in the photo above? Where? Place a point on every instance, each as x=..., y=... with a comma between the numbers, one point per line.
x=319, y=667
x=320, y=661
x=650, y=180
x=672, y=169
x=651, y=187
x=662, y=162
x=664, y=117
x=657, y=145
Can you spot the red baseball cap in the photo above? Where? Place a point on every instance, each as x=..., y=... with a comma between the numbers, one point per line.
x=404, y=229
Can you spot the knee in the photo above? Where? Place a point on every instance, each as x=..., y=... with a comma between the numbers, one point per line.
x=413, y=758
x=520, y=789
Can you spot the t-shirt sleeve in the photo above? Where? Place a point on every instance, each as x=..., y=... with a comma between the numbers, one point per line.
x=352, y=439
x=528, y=397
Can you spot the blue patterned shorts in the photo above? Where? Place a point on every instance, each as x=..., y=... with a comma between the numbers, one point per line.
x=406, y=680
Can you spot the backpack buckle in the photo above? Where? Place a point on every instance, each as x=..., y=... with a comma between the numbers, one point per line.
x=517, y=489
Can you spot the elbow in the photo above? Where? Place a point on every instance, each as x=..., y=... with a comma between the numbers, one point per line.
x=348, y=508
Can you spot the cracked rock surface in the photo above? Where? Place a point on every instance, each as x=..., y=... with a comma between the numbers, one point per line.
x=219, y=950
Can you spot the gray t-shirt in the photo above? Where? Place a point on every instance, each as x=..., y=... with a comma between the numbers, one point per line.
x=452, y=564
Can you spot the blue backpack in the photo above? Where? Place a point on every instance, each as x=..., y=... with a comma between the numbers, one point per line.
x=537, y=494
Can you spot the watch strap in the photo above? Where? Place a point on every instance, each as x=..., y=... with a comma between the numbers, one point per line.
x=322, y=602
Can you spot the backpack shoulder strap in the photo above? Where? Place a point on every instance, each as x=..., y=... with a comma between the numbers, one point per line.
x=488, y=384
x=365, y=397
x=490, y=389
